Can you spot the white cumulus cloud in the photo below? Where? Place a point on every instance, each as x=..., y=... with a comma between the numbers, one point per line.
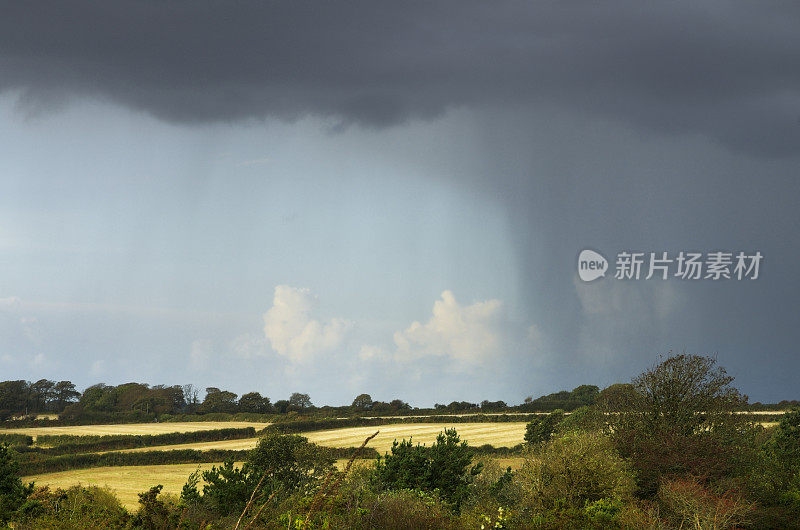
x=291, y=330
x=471, y=334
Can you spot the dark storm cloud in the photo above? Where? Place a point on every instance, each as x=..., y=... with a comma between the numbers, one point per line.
x=726, y=70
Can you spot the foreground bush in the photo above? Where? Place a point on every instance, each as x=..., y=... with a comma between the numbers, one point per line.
x=12, y=492
x=75, y=507
x=687, y=504
x=575, y=469
x=279, y=465
x=444, y=467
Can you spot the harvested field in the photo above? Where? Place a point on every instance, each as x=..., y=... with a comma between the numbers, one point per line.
x=498, y=434
x=134, y=428
x=126, y=481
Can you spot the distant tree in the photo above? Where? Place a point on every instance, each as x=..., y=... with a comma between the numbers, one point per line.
x=64, y=393
x=41, y=395
x=217, y=400
x=254, y=402
x=191, y=397
x=282, y=406
x=362, y=402
x=300, y=401
x=14, y=397
x=585, y=394
x=619, y=396
x=487, y=405
x=399, y=405
x=461, y=405
x=93, y=395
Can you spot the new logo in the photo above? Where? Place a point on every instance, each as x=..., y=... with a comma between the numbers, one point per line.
x=591, y=265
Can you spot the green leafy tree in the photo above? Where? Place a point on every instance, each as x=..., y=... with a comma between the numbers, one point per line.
x=12, y=491
x=541, y=429
x=254, y=402
x=298, y=401
x=217, y=400
x=227, y=487
x=282, y=463
x=362, y=402
x=783, y=461
x=678, y=418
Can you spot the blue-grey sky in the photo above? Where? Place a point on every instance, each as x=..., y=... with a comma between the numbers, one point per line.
x=390, y=197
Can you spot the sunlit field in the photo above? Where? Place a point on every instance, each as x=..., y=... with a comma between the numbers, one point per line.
x=128, y=481
x=498, y=434
x=506, y=434
x=135, y=428
x=125, y=481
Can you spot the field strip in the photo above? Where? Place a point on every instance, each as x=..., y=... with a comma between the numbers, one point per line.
x=134, y=428
x=506, y=434
x=126, y=481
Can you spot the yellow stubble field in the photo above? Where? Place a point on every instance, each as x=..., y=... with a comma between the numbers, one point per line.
x=134, y=428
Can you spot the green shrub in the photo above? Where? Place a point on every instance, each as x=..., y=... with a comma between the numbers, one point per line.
x=444, y=467
x=282, y=464
x=541, y=429
x=74, y=507
x=12, y=492
x=573, y=470
x=15, y=440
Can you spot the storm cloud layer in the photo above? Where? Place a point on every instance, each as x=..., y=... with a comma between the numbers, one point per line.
x=727, y=70
x=394, y=193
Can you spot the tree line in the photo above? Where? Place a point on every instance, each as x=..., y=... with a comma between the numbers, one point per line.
x=142, y=402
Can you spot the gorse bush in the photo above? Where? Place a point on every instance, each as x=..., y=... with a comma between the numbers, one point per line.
x=575, y=469
x=444, y=467
x=279, y=464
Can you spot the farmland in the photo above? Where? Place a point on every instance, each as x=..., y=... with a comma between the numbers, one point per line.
x=125, y=481
x=133, y=428
x=128, y=481
x=497, y=434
